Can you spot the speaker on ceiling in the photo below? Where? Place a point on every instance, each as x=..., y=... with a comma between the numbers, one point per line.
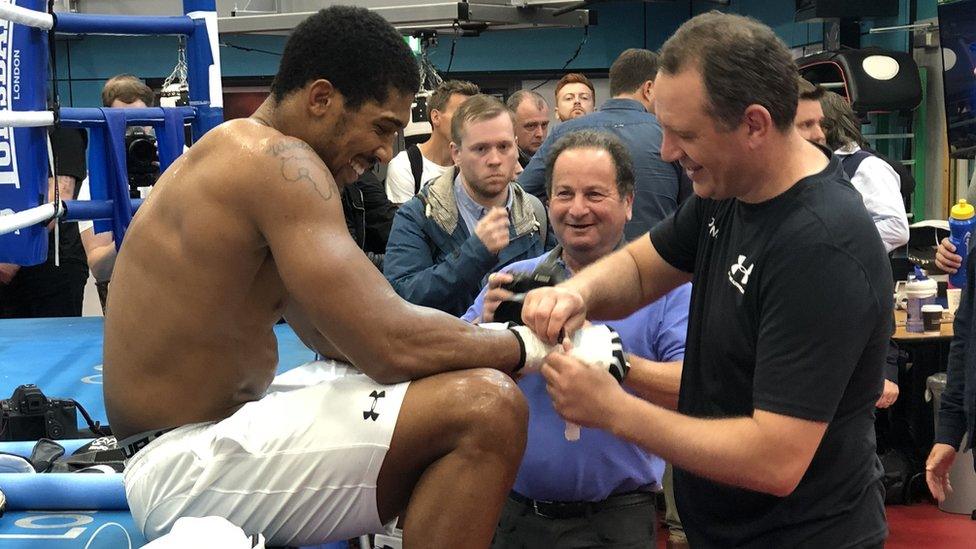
x=873, y=80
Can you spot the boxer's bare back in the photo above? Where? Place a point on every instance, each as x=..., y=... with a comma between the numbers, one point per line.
x=248, y=221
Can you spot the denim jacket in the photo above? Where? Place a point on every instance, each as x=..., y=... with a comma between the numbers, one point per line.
x=432, y=259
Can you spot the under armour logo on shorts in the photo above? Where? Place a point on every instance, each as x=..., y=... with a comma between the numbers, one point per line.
x=371, y=413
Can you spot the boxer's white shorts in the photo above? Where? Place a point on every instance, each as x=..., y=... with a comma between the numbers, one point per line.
x=299, y=467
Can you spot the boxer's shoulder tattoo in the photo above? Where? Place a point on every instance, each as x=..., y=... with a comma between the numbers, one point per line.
x=300, y=164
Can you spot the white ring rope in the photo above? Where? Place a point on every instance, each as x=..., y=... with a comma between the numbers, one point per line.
x=25, y=119
x=32, y=216
x=24, y=16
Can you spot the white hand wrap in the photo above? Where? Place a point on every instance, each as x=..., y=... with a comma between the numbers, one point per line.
x=533, y=349
x=596, y=344
x=601, y=346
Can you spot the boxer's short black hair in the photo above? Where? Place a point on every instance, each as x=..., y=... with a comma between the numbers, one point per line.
x=356, y=50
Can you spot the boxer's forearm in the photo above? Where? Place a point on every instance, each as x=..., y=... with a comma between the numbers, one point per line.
x=657, y=382
x=419, y=343
x=428, y=342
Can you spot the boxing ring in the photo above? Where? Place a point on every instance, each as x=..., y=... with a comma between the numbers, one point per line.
x=25, y=112
x=63, y=356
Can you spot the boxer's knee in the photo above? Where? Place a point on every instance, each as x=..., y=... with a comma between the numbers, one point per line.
x=489, y=409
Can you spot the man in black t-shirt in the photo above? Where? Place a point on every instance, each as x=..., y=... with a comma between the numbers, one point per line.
x=53, y=288
x=773, y=444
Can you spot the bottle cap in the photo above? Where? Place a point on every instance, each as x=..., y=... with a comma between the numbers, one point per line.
x=963, y=210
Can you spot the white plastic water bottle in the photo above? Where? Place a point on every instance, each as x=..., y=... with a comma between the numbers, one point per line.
x=920, y=290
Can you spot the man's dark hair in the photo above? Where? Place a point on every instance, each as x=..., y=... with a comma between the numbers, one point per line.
x=595, y=139
x=841, y=125
x=356, y=50
x=631, y=69
x=516, y=99
x=808, y=90
x=742, y=62
x=127, y=88
x=438, y=100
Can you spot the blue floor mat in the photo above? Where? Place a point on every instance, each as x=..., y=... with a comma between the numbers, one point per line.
x=63, y=356
x=76, y=529
x=68, y=530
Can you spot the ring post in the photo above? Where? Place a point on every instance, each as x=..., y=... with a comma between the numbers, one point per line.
x=23, y=151
x=203, y=66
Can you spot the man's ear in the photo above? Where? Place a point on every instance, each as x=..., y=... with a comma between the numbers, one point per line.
x=435, y=118
x=629, y=204
x=322, y=97
x=758, y=123
x=647, y=89
x=455, y=151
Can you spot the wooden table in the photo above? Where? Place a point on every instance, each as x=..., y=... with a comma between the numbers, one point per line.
x=901, y=334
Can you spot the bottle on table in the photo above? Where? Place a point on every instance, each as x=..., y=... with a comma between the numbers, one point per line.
x=920, y=291
x=962, y=220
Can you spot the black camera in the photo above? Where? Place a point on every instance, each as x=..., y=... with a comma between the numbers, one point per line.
x=29, y=415
x=141, y=158
x=546, y=274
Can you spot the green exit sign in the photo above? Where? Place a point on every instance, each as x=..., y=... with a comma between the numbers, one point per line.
x=414, y=44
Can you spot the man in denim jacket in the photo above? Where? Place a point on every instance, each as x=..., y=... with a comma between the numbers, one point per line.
x=469, y=222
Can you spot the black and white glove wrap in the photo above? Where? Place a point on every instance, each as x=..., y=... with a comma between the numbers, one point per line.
x=601, y=346
x=594, y=344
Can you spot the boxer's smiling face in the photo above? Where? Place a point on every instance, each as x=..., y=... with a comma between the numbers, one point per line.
x=350, y=140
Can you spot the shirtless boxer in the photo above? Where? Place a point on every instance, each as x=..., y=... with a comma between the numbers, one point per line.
x=247, y=226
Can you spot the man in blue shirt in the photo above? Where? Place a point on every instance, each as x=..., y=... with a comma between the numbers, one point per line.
x=629, y=115
x=596, y=491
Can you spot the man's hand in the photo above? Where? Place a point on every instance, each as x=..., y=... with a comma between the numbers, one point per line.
x=945, y=257
x=582, y=393
x=492, y=230
x=495, y=295
x=553, y=312
x=937, y=470
x=888, y=395
x=7, y=272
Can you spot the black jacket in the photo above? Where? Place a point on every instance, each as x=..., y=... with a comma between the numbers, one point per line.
x=369, y=215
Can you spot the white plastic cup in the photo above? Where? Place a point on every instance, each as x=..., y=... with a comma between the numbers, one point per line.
x=953, y=296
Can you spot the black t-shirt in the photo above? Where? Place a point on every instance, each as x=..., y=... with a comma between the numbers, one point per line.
x=791, y=314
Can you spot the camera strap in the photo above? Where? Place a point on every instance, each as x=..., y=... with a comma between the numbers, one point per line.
x=552, y=260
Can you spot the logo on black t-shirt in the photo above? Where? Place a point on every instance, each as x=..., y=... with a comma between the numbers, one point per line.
x=739, y=274
x=712, y=229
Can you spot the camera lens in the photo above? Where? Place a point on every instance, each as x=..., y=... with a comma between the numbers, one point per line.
x=142, y=150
